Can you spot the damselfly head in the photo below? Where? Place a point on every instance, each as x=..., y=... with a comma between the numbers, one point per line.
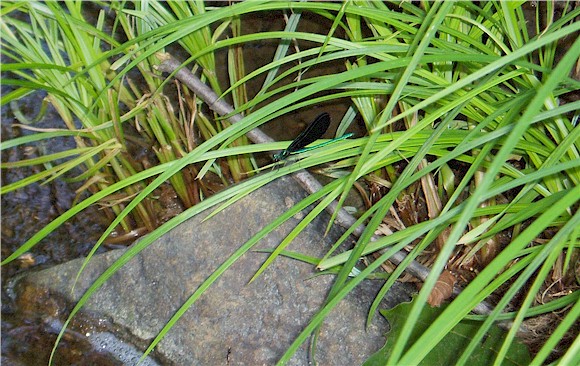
x=282, y=155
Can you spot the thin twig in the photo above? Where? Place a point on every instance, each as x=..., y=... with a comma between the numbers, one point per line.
x=305, y=179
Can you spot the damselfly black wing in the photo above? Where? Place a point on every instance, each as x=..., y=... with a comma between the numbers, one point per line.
x=313, y=132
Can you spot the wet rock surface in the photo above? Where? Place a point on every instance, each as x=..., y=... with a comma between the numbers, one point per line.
x=234, y=322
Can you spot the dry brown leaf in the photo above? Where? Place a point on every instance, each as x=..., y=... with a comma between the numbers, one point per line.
x=443, y=289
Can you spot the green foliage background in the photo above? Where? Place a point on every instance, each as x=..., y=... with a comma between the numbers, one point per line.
x=448, y=81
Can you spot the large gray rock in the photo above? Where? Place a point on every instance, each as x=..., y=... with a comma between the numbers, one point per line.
x=233, y=323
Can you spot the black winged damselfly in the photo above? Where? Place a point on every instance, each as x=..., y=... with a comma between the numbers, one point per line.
x=311, y=133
